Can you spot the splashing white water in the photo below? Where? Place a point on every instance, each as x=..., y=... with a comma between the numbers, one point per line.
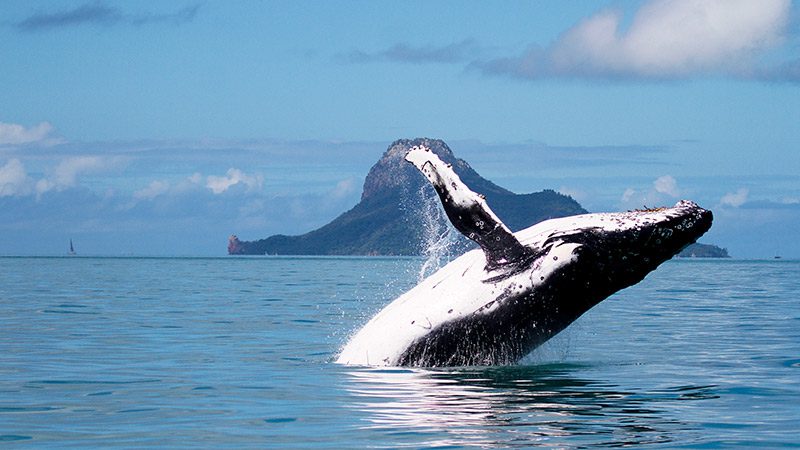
x=438, y=238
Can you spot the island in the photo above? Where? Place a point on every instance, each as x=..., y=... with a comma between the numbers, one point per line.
x=394, y=213
x=698, y=250
x=395, y=204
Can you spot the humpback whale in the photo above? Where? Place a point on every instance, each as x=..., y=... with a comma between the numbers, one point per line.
x=495, y=304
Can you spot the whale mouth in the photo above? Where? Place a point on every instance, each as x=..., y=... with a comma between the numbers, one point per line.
x=673, y=229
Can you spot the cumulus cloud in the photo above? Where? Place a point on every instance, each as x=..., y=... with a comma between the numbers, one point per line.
x=664, y=190
x=343, y=189
x=168, y=192
x=14, y=180
x=232, y=178
x=153, y=190
x=735, y=199
x=667, y=185
x=666, y=39
x=663, y=40
x=14, y=134
x=628, y=195
x=194, y=182
x=66, y=173
x=99, y=13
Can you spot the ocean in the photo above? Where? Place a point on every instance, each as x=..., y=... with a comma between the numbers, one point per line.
x=237, y=353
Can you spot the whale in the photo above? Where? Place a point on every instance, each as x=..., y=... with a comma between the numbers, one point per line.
x=495, y=304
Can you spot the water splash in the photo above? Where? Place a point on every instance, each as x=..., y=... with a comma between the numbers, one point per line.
x=437, y=237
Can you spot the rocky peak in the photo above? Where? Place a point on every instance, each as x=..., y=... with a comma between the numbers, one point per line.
x=393, y=173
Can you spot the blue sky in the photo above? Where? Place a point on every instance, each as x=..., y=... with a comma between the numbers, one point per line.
x=156, y=128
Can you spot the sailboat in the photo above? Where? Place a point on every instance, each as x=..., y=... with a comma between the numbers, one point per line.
x=71, y=249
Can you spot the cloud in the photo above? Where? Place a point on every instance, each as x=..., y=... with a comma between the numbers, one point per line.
x=90, y=13
x=452, y=53
x=233, y=177
x=183, y=15
x=14, y=180
x=167, y=193
x=343, y=189
x=628, y=195
x=735, y=199
x=153, y=190
x=66, y=173
x=664, y=190
x=14, y=134
x=99, y=13
x=667, y=185
x=666, y=39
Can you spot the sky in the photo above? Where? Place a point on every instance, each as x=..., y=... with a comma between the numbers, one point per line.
x=161, y=128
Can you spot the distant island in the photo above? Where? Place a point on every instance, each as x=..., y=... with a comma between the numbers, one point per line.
x=698, y=250
x=396, y=208
x=395, y=205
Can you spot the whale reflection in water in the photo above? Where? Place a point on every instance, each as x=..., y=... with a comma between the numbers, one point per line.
x=527, y=405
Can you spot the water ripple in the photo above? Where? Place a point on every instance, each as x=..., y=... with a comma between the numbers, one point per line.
x=236, y=353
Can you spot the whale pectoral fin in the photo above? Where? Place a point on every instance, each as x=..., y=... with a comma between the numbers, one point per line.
x=468, y=211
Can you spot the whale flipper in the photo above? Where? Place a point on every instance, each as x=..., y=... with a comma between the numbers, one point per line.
x=468, y=211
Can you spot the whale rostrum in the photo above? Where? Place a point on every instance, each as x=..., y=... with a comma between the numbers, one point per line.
x=495, y=304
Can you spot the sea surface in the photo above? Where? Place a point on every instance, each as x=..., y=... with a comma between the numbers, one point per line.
x=237, y=353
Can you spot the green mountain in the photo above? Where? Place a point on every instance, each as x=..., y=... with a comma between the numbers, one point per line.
x=396, y=207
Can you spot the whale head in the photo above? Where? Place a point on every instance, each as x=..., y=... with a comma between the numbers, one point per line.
x=633, y=242
x=611, y=251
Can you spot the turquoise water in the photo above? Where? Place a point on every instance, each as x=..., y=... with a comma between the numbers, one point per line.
x=236, y=353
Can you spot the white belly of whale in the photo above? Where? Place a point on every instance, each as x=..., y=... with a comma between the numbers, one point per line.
x=453, y=293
